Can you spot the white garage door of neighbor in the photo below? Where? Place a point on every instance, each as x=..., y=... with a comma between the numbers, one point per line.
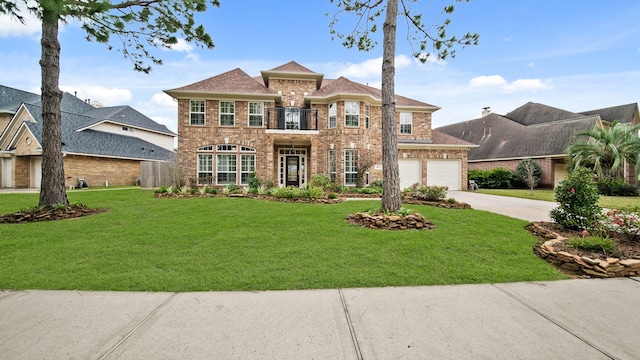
x=410, y=172
x=444, y=173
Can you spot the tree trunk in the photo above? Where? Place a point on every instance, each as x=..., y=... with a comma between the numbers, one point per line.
x=52, y=188
x=391, y=199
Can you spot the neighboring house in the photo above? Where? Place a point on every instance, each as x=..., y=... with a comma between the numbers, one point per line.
x=535, y=131
x=100, y=145
x=291, y=123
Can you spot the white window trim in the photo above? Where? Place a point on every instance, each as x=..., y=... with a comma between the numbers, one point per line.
x=333, y=112
x=221, y=113
x=332, y=170
x=367, y=116
x=203, y=112
x=228, y=171
x=406, y=118
x=346, y=113
x=200, y=171
x=355, y=166
x=252, y=167
x=250, y=114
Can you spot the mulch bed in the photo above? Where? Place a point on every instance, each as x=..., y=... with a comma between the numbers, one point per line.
x=49, y=213
x=624, y=249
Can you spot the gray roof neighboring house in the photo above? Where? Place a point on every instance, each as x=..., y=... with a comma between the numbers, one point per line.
x=544, y=132
x=77, y=119
x=96, y=143
x=625, y=113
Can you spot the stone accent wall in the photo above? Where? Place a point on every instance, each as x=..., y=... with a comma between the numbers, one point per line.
x=97, y=171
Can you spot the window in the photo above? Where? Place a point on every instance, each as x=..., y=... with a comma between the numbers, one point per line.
x=247, y=166
x=227, y=113
x=332, y=165
x=226, y=168
x=406, y=123
x=292, y=118
x=350, y=166
x=205, y=168
x=352, y=113
x=333, y=114
x=256, y=114
x=367, y=115
x=196, y=112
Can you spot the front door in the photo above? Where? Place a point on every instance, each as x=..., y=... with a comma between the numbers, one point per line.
x=292, y=171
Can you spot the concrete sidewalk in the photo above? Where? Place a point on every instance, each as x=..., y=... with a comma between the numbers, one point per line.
x=573, y=319
x=525, y=209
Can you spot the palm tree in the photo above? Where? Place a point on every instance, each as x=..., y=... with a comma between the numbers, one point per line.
x=605, y=150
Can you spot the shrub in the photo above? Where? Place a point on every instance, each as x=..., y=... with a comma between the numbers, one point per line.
x=232, y=189
x=620, y=224
x=290, y=192
x=254, y=183
x=377, y=183
x=431, y=193
x=528, y=172
x=161, y=190
x=593, y=243
x=314, y=192
x=577, y=197
x=332, y=196
x=616, y=188
x=498, y=178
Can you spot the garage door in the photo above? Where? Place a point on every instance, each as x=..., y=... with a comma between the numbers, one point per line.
x=444, y=173
x=410, y=172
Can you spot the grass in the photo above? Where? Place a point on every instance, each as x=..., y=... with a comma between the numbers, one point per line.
x=199, y=244
x=610, y=202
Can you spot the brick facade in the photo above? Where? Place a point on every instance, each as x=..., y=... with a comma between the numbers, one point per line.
x=313, y=145
x=98, y=171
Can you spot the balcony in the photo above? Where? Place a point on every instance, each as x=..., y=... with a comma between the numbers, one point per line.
x=292, y=119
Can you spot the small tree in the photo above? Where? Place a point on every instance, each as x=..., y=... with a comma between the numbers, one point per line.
x=577, y=198
x=364, y=163
x=529, y=172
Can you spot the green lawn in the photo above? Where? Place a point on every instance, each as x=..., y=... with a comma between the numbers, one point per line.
x=198, y=244
x=609, y=202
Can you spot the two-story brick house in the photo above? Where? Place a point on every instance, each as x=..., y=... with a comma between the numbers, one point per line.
x=291, y=123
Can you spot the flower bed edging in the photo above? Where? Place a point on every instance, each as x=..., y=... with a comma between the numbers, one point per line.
x=609, y=268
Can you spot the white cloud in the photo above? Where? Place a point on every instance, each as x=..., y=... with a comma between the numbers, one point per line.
x=164, y=101
x=520, y=85
x=10, y=27
x=372, y=67
x=105, y=96
x=508, y=38
x=183, y=46
x=527, y=85
x=531, y=65
x=487, y=81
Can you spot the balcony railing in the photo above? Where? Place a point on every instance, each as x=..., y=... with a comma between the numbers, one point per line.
x=292, y=118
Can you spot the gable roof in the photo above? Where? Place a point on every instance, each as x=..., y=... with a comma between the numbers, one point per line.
x=344, y=86
x=124, y=115
x=77, y=117
x=500, y=137
x=97, y=143
x=292, y=67
x=235, y=81
x=534, y=113
x=625, y=113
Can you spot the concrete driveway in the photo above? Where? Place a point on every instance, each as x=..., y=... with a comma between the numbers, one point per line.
x=525, y=209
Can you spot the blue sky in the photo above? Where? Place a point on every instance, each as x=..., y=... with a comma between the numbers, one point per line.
x=574, y=55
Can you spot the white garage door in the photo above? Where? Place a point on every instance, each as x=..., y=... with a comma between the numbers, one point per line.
x=444, y=173
x=410, y=172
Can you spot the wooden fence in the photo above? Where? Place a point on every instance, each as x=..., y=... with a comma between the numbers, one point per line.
x=154, y=174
